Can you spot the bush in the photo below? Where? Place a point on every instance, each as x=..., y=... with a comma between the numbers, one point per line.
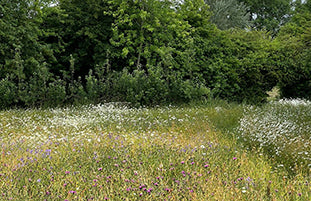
x=56, y=93
x=8, y=91
x=294, y=37
x=295, y=80
x=142, y=87
x=138, y=87
x=182, y=90
x=238, y=65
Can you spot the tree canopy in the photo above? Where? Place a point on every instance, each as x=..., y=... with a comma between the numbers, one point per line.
x=56, y=52
x=267, y=14
x=230, y=14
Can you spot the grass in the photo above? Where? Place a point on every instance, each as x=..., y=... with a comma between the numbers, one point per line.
x=114, y=152
x=281, y=130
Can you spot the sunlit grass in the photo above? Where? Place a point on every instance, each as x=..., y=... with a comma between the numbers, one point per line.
x=114, y=152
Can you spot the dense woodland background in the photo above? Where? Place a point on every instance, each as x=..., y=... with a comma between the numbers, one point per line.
x=147, y=52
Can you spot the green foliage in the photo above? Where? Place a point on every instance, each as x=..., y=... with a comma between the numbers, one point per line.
x=229, y=14
x=187, y=90
x=141, y=88
x=294, y=39
x=195, y=12
x=149, y=32
x=8, y=92
x=56, y=93
x=237, y=65
x=34, y=93
x=81, y=28
x=19, y=35
x=149, y=52
x=269, y=15
x=92, y=87
x=257, y=69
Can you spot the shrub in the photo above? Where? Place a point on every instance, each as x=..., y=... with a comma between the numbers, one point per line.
x=185, y=90
x=238, y=65
x=294, y=37
x=8, y=91
x=56, y=93
x=143, y=87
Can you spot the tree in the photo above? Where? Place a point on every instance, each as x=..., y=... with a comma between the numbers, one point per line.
x=269, y=15
x=228, y=14
x=149, y=32
x=295, y=39
x=19, y=37
x=81, y=28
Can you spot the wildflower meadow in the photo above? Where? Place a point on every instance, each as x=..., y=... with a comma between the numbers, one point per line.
x=112, y=151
